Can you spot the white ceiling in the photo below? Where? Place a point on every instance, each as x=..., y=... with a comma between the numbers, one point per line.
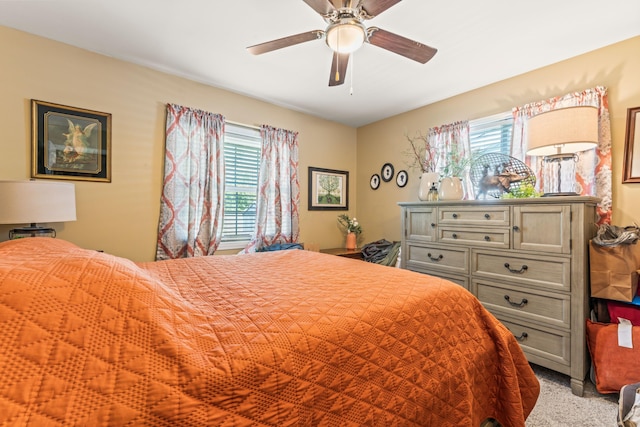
x=478, y=42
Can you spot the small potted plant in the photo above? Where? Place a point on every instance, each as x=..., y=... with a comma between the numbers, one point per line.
x=352, y=229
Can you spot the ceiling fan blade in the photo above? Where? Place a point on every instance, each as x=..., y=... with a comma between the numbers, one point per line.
x=323, y=7
x=338, y=68
x=402, y=46
x=285, y=42
x=376, y=7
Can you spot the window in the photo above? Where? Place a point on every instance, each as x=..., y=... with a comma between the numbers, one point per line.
x=491, y=134
x=242, y=165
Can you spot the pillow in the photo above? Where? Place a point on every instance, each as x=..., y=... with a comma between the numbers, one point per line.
x=614, y=366
x=626, y=311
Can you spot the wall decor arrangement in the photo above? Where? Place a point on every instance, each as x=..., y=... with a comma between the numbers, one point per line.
x=374, y=182
x=402, y=178
x=70, y=143
x=328, y=189
x=387, y=172
x=631, y=166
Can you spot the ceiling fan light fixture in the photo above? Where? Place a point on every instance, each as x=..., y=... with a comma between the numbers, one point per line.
x=346, y=36
x=345, y=33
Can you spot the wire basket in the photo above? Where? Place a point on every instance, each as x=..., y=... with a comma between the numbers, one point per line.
x=494, y=174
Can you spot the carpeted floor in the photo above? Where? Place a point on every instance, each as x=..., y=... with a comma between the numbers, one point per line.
x=558, y=407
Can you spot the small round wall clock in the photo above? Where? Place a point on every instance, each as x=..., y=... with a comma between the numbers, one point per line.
x=375, y=181
x=387, y=172
x=402, y=178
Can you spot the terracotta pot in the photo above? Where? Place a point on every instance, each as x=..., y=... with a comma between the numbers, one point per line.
x=351, y=241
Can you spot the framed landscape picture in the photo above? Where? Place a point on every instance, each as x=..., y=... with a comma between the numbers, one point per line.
x=328, y=189
x=70, y=143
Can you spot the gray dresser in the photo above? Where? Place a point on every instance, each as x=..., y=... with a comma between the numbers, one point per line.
x=525, y=259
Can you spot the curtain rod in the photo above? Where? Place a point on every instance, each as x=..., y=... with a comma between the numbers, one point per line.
x=242, y=124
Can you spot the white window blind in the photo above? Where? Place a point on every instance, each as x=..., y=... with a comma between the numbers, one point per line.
x=242, y=164
x=491, y=134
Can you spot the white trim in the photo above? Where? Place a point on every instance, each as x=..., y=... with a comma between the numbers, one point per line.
x=242, y=125
x=237, y=244
x=489, y=119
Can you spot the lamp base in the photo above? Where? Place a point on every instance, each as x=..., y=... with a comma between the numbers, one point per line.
x=559, y=175
x=564, y=193
x=31, y=231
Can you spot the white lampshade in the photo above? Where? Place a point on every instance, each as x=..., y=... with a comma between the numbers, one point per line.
x=30, y=202
x=566, y=130
x=346, y=36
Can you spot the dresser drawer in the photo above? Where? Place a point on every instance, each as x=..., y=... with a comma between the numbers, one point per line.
x=545, y=272
x=487, y=216
x=546, y=307
x=540, y=343
x=453, y=260
x=486, y=237
x=459, y=280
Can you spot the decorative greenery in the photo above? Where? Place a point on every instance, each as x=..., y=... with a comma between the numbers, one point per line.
x=349, y=225
x=426, y=158
x=523, y=192
x=421, y=154
x=455, y=164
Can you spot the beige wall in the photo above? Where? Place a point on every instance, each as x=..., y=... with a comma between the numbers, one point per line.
x=617, y=67
x=121, y=217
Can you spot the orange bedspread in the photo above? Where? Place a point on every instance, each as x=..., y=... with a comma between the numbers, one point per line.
x=289, y=338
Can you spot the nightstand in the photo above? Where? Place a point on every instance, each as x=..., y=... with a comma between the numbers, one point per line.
x=347, y=253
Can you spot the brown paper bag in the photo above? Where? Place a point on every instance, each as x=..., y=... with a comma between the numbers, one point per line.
x=614, y=271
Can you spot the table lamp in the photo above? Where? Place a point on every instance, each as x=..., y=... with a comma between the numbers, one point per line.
x=559, y=135
x=31, y=202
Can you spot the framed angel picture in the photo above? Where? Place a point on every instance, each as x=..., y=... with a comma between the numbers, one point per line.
x=70, y=143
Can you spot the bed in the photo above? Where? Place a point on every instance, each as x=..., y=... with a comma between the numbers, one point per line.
x=286, y=338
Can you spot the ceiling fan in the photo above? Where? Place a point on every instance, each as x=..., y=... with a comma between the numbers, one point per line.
x=346, y=33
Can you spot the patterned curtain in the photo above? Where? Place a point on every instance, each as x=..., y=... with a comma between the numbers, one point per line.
x=593, y=168
x=191, y=207
x=451, y=145
x=278, y=190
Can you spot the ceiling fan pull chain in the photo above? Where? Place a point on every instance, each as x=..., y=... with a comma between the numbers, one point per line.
x=338, y=59
x=351, y=72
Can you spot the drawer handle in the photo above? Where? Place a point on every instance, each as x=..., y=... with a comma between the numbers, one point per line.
x=433, y=224
x=516, y=304
x=434, y=259
x=487, y=238
x=455, y=215
x=522, y=269
x=516, y=228
x=523, y=336
x=454, y=235
x=487, y=216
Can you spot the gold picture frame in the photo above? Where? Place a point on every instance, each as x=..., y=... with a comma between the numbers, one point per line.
x=631, y=165
x=70, y=143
